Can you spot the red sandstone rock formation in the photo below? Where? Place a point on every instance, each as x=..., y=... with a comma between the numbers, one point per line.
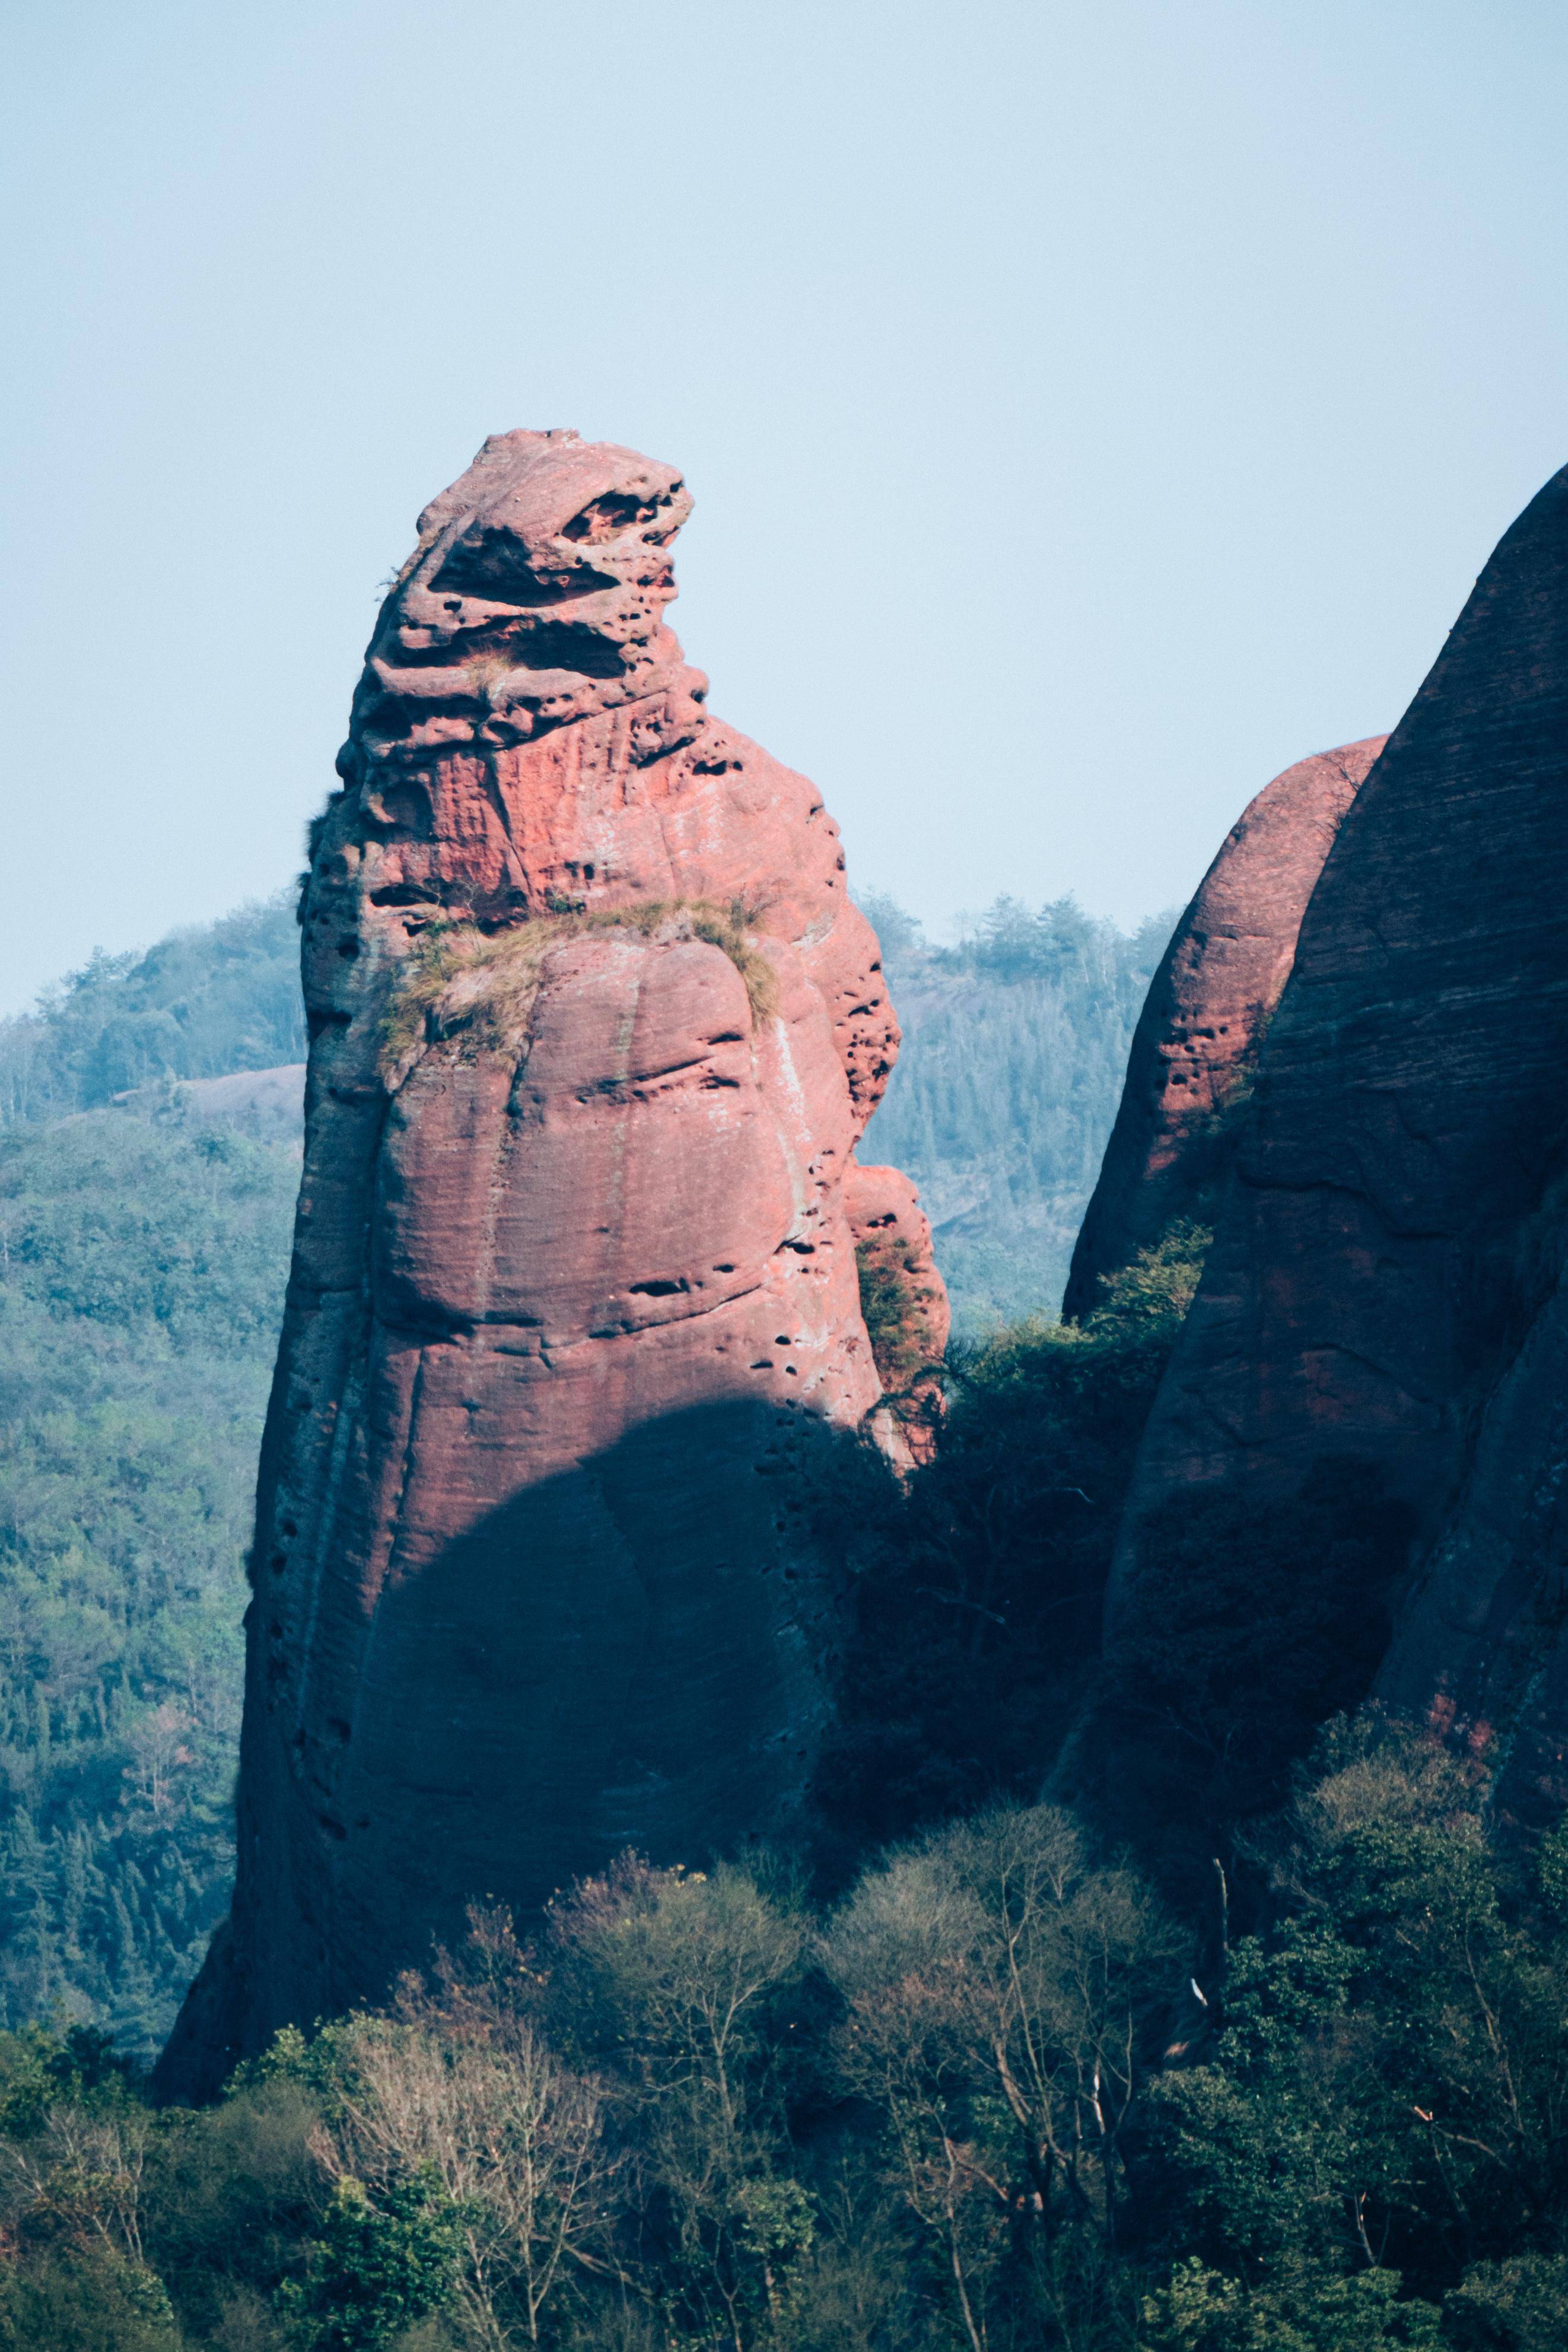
x=1479, y=1648
x=595, y=1027
x=1195, y=1045
x=1383, y=1287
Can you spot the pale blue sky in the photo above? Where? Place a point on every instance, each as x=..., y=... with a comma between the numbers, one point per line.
x=1090, y=409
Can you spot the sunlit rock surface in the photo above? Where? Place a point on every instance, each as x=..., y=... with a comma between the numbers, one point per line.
x=573, y=1324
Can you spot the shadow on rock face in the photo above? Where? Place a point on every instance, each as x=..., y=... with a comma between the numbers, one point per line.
x=638, y=1652
x=623, y=1655
x=1244, y=1623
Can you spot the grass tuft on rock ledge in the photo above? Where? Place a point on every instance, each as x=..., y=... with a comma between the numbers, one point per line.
x=482, y=985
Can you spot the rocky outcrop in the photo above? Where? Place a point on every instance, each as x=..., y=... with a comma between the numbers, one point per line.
x=1381, y=1297
x=574, y=1306
x=905, y=1305
x=1195, y=1050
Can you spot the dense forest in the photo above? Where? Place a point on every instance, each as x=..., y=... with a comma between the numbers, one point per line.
x=1015, y=1047
x=1010, y=2081
x=1252, y=2038
x=142, y=1259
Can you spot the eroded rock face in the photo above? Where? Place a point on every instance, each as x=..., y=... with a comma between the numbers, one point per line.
x=905, y=1303
x=1382, y=1292
x=1195, y=1045
x=1480, y=1651
x=574, y=1306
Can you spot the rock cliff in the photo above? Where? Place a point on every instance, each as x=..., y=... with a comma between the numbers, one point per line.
x=905, y=1305
x=574, y=1306
x=1376, y=1337
x=1194, y=1049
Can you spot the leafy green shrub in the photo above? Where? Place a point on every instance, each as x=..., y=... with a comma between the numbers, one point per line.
x=1516, y=2306
x=1552, y=1867
x=233, y=2193
x=893, y=1303
x=374, y=2269
x=1148, y=1298
x=1386, y=2086
x=85, y=2302
x=1207, y=2311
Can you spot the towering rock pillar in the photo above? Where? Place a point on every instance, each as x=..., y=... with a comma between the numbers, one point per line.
x=574, y=1304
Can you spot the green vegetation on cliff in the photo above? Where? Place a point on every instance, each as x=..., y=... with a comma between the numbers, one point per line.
x=978, y=1589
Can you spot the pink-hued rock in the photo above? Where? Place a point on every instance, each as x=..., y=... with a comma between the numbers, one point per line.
x=574, y=1304
x=1384, y=1295
x=1196, y=1044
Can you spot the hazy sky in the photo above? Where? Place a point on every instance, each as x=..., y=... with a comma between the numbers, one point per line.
x=1090, y=408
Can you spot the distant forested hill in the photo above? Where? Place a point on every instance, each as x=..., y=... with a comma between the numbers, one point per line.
x=221, y=996
x=143, y=1257
x=141, y=1268
x=144, y=1235
x=1015, y=1048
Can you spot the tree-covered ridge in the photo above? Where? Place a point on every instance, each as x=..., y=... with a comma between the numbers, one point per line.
x=206, y=1000
x=1014, y=1049
x=142, y=1261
